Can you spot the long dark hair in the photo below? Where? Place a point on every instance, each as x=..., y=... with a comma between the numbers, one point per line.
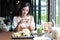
x=25, y=4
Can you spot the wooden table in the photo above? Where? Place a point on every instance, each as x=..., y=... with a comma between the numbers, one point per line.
x=7, y=36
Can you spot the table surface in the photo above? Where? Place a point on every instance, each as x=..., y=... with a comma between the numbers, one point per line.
x=8, y=36
x=5, y=35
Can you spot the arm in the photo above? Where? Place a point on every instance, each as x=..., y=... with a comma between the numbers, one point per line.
x=17, y=28
x=31, y=23
x=15, y=24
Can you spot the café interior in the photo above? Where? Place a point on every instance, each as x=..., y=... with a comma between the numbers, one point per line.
x=46, y=18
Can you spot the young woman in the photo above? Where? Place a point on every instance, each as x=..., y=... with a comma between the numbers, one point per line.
x=23, y=20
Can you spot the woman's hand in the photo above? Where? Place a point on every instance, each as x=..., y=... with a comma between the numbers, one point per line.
x=23, y=21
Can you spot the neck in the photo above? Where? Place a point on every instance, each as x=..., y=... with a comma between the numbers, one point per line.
x=23, y=16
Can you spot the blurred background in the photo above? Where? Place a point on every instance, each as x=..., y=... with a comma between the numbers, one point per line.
x=42, y=10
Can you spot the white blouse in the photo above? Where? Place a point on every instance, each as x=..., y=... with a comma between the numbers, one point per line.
x=14, y=24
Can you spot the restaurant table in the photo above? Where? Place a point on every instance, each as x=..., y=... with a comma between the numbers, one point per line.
x=8, y=36
x=5, y=35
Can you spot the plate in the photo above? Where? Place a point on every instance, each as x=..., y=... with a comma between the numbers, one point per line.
x=22, y=37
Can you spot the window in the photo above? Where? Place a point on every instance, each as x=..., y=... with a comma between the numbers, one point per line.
x=44, y=11
x=40, y=11
x=56, y=12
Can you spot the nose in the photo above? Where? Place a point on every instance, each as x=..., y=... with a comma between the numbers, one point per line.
x=24, y=11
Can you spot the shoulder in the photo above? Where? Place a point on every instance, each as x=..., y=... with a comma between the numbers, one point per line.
x=31, y=17
x=16, y=17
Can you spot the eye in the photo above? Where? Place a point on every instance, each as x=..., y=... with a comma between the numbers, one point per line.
x=25, y=9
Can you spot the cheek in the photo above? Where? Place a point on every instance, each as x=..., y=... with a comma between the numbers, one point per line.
x=26, y=12
x=22, y=11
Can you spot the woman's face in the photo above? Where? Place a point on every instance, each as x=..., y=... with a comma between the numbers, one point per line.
x=25, y=10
